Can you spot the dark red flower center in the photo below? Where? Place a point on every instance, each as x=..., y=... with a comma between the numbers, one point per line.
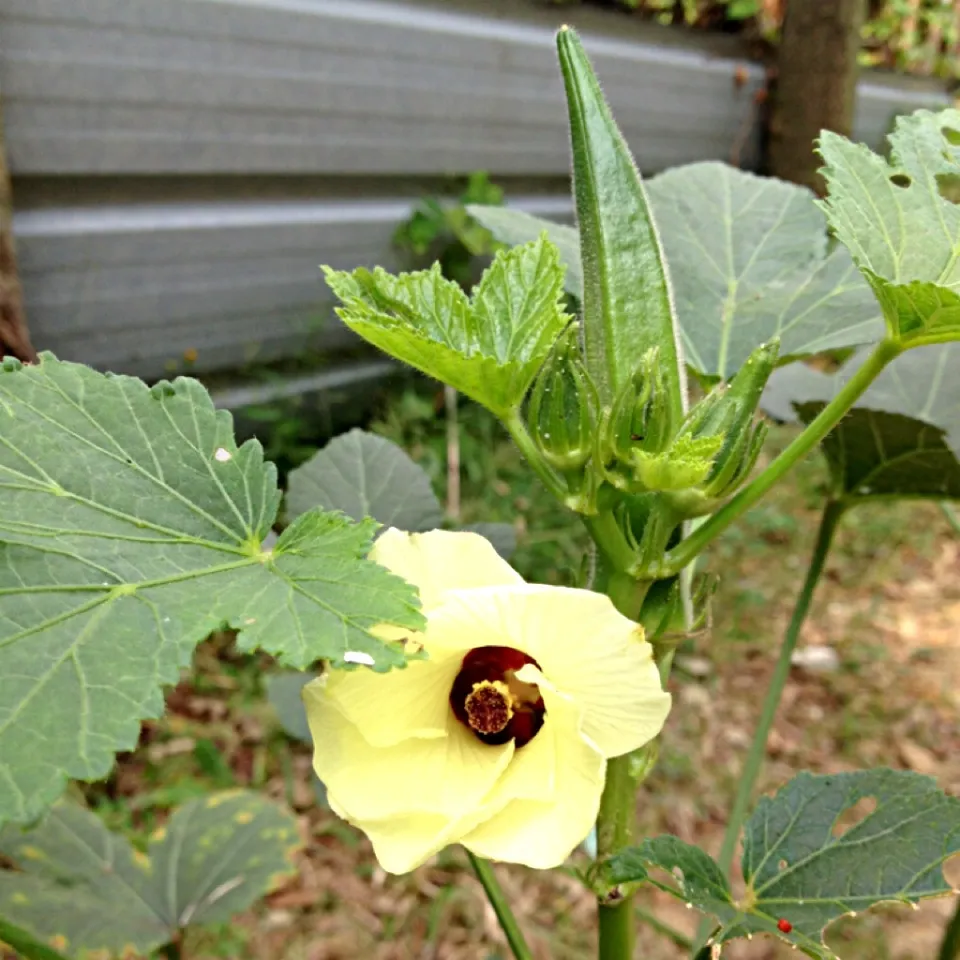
x=489, y=700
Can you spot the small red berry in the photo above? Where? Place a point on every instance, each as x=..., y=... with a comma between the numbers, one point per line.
x=784, y=926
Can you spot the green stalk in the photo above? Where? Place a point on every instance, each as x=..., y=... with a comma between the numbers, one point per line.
x=951, y=516
x=829, y=417
x=832, y=512
x=25, y=945
x=664, y=929
x=498, y=900
x=950, y=945
x=615, y=819
x=521, y=437
x=614, y=832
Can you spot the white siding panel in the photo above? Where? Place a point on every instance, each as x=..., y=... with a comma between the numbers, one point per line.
x=133, y=288
x=333, y=86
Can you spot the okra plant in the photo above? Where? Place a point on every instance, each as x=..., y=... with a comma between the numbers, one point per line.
x=449, y=701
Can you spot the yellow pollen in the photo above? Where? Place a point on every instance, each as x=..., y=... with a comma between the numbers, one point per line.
x=489, y=706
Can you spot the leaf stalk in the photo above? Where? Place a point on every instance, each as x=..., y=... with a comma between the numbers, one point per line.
x=501, y=907
x=830, y=518
x=688, y=549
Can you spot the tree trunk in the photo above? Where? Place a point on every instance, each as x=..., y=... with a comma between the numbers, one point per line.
x=14, y=336
x=816, y=84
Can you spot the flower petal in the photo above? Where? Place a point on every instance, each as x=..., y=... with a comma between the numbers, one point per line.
x=586, y=648
x=389, y=707
x=442, y=560
x=402, y=843
x=543, y=833
x=448, y=776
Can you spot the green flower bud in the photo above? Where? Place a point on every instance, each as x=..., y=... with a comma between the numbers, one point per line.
x=725, y=420
x=563, y=406
x=685, y=464
x=742, y=438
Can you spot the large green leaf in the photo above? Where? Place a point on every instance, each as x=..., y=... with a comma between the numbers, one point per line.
x=903, y=437
x=131, y=526
x=489, y=348
x=801, y=867
x=900, y=220
x=364, y=475
x=748, y=259
x=81, y=888
x=627, y=305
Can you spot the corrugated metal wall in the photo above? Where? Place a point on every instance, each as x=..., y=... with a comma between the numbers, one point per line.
x=182, y=166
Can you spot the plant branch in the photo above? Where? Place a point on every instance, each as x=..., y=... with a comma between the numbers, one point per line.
x=618, y=802
x=832, y=512
x=951, y=516
x=498, y=900
x=607, y=535
x=950, y=945
x=521, y=437
x=655, y=923
x=829, y=417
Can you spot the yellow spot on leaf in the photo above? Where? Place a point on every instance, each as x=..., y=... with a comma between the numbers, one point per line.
x=158, y=835
x=190, y=355
x=58, y=941
x=33, y=853
x=219, y=798
x=19, y=898
x=244, y=816
x=142, y=860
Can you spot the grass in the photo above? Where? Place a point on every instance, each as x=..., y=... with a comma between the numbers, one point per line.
x=889, y=605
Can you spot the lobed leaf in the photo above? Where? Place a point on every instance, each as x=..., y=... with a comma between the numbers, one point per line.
x=84, y=890
x=364, y=475
x=902, y=439
x=900, y=220
x=489, y=348
x=132, y=526
x=748, y=259
x=799, y=866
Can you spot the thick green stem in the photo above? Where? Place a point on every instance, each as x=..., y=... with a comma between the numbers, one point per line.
x=508, y=922
x=829, y=417
x=950, y=945
x=605, y=532
x=615, y=819
x=832, y=512
x=614, y=832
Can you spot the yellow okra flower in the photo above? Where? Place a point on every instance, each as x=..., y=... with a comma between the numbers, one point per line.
x=499, y=740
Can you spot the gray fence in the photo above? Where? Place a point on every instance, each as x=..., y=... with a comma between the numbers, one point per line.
x=181, y=167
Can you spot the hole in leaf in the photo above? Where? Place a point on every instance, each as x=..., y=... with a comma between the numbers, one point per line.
x=854, y=815
x=949, y=186
x=900, y=180
x=952, y=136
